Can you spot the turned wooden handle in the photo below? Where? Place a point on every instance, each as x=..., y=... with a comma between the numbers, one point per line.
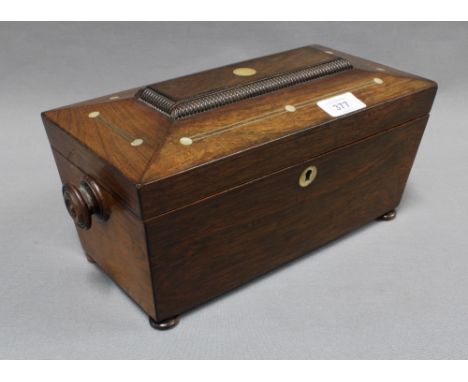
x=84, y=201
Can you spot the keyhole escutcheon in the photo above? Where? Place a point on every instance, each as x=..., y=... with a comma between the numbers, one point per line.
x=308, y=175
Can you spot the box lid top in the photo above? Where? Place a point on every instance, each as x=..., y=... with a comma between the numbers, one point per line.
x=156, y=132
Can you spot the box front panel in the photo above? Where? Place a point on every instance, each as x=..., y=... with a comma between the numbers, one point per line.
x=222, y=242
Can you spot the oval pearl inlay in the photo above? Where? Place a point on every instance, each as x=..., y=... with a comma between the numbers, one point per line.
x=94, y=114
x=137, y=142
x=186, y=141
x=244, y=72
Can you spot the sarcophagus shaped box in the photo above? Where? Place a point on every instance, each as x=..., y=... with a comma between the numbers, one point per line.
x=185, y=189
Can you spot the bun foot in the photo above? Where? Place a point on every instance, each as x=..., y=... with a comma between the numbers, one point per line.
x=89, y=258
x=390, y=215
x=166, y=324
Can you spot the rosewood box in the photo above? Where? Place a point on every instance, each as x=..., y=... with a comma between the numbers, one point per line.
x=185, y=189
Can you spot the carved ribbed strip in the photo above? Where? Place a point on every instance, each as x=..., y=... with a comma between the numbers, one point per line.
x=185, y=108
x=156, y=100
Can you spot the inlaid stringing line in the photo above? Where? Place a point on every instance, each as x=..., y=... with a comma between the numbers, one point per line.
x=300, y=105
x=220, y=130
x=124, y=134
x=303, y=104
x=134, y=141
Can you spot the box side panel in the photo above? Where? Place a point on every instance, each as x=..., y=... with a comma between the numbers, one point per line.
x=222, y=242
x=117, y=245
x=109, y=177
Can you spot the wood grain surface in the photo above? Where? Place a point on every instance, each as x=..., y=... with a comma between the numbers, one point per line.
x=221, y=78
x=213, y=246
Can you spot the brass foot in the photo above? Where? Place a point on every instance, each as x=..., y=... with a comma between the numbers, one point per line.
x=89, y=258
x=390, y=215
x=166, y=324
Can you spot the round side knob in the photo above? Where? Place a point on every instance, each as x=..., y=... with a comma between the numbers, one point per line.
x=84, y=201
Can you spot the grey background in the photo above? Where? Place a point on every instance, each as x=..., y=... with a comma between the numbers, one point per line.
x=390, y=290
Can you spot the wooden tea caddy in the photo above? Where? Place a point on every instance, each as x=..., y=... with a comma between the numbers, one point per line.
x=185, y=189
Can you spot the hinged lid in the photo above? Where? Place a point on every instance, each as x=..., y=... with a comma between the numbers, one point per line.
x=185, y=139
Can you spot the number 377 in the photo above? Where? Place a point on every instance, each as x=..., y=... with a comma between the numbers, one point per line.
x=340, y=105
